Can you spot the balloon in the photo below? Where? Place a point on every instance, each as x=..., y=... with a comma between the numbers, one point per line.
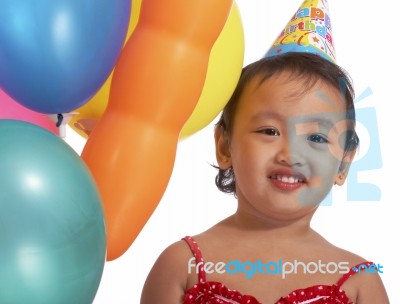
x=9, y=109
x=224, y=68
x=55, y=55
x=88, y=115
x=156, y=84
x=52, y=232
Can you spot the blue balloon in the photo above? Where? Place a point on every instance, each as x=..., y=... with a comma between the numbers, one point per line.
x=52, y=231
x=56, y=54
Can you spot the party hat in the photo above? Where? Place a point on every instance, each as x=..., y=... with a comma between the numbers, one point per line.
x=308, y=31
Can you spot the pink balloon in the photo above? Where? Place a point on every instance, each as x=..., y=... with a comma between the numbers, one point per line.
x=10, y=109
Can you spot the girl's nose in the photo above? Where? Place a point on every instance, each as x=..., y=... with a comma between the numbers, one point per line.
x=290, y=153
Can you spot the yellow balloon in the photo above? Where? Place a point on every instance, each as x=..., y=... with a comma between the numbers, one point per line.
x=224, y=68
x=87, y=115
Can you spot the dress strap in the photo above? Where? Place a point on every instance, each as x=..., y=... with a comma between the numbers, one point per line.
x=354, y=270
x=199, y=258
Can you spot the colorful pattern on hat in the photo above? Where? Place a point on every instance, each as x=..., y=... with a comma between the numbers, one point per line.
x=308, y=31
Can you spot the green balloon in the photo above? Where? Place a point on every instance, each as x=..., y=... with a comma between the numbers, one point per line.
x=52, y=231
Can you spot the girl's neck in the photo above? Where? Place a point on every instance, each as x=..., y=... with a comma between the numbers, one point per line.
x=278, y=228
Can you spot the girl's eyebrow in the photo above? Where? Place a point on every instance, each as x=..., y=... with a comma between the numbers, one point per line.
x=313, y=125
x=324, y=122
x=267, y=114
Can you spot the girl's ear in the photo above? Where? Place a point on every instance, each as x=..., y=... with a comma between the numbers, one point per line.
x=222, y=149
x=344, y=167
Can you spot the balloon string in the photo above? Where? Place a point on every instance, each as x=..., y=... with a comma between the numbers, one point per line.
x=60, y=119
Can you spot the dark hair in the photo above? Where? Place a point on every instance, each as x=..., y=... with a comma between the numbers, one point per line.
x=306, y=67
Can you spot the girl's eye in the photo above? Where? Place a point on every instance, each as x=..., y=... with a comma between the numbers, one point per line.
x=269, y=131
x=317, y=138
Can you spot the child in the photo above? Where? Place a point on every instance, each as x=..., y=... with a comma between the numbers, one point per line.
x=286, y=136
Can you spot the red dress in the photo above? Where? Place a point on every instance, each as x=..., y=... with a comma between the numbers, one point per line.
x=211, y=292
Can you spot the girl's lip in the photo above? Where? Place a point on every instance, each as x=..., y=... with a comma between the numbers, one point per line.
x=287, y=180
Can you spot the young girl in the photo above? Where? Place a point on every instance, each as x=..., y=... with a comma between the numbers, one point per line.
x=284, y=139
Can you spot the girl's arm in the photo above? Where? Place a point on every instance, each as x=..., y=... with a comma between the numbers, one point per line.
x=167, y=280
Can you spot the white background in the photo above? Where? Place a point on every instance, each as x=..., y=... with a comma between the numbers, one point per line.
x=364, y=34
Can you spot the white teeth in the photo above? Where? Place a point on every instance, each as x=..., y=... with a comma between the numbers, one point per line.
x=287, y=179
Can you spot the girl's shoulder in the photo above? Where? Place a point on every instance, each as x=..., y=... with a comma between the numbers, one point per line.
x=168, y=278
x=174, y=257
x=363, y=281
x=181, y=251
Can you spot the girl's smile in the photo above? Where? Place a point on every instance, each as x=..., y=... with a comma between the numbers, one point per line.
x=287, y=180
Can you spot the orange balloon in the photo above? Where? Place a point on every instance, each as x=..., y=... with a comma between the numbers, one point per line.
x=156, y=84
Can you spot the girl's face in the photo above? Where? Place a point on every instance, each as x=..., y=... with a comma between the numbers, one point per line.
x=286, y=146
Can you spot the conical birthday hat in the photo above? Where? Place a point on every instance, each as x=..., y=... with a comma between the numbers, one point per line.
x=308, y=31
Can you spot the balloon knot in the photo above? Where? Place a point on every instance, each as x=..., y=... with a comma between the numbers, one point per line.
x=60, y=119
